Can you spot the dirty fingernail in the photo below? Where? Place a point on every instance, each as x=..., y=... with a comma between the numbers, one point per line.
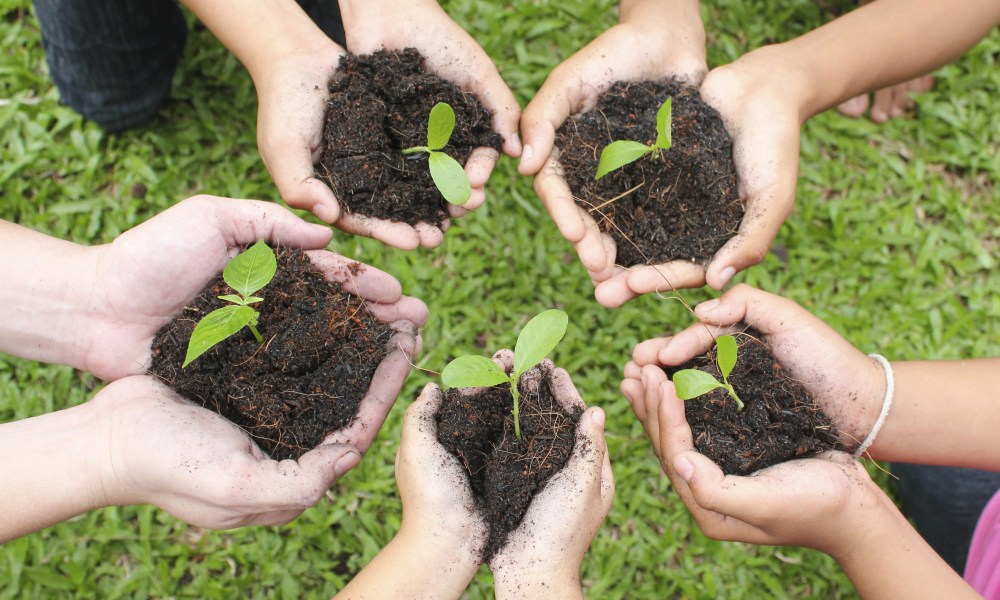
x=684, y=468
x=346, y=462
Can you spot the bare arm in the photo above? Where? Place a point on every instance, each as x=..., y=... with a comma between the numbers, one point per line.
x=944, y=412
x=879, y=44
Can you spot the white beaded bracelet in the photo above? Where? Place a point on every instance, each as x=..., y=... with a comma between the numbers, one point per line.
x=890, y=386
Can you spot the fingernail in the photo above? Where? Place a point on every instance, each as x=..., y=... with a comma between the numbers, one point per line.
x=527, y=152
x=322, y=212
x=346, y=462
x=599, y=417
x=726, y=275
x=684, y=468
x=709, y=305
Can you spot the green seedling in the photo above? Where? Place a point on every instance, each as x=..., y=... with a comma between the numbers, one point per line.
x=691, y=383
x=247, y=273
x=539, y=337
x=448, y=175
x=619, y=153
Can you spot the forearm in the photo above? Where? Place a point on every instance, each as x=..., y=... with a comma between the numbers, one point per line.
x=943, y=412
x=888, y=559
x=879, y=44
x=412, y=568
x=44, y=296
x=260, y=32
x=48, y=470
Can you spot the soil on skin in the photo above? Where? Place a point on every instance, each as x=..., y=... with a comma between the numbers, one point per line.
x=379, y=105
x=505, y=472
x=321, y=348
x=780, y=422
x=683, y=205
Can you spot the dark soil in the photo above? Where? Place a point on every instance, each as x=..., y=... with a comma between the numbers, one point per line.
x=321, y=348
x=506, y=472
x=379, y=105
x=780, y=422
x=683, y=205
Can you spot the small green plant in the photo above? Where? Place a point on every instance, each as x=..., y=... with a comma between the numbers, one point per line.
x=619, y=153
x=448, y=175
x=691, y=383
x=539, y=337
x=246, y=273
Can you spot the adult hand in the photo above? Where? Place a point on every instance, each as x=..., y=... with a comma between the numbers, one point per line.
x=542, y=556
x=196, y=465
x=846, y=384
x=653, y=41
x=453, y=55
x=148, y=274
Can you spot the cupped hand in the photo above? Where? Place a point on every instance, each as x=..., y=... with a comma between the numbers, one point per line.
x=822, y=503
x=546, y=549
x=199, y=467
x=149, y=273
x=453, y=55
x=846, y=384
x=653, y=41
x=763, y=117
x=439, y=512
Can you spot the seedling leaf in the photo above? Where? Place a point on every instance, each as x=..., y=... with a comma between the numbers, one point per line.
x=725, y=347
x=691, y=383
x=539, y=337
x=472, y=371
x=440, y=124
x=664, y=124
x=234, y=298
x=215, y=327
x=449, y=177
x=618, y=154
x=252, y=269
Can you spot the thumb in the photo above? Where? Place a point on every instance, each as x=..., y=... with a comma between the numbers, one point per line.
x=329, y=462
x=544, y=114
x=586, y=464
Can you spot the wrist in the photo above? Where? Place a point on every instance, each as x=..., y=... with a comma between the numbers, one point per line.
x=451, y=561
x=512, y=581
x=776, y=70
x=674, y=27
x=262, y=35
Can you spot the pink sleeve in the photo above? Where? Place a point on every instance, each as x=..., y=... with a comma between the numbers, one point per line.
x=982, y=569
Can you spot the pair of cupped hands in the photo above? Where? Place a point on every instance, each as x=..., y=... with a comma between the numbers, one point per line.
x=151, y=446
x=647, y=44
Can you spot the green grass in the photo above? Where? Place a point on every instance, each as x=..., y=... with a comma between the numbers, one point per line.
x=893, y=242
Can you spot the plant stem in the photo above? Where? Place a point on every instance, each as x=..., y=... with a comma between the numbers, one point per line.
x=732, y=394
x=256, y=334
x=517, y=404
x=416, y=149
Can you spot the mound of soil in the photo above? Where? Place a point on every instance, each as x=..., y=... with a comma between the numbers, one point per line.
x=683, y=205
x=379, y=105
x=321, y=348
x=779, y=422
x=505, y=472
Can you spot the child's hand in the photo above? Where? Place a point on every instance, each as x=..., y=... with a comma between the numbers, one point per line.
x=439, y=513
x=453, y=55
x=653, y=41
x=542, y=556
x=821, y=503
x=848, y=385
